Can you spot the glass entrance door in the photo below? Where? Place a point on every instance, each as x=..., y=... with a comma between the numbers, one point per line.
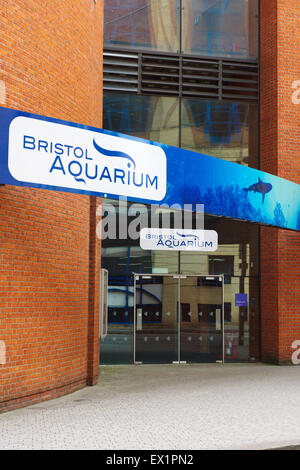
x=201, y=319
x=178, y=319
x=156, y=319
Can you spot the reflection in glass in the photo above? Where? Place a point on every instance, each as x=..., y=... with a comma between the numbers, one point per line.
x=201, y=334
x=222, y=28
x=117, y=345
x=156, y=319
x=237, y=258
x=221, y=129
x=148, y=117
x=237, y=254
x=237, y=331
x=122, y=260
x=146, y=24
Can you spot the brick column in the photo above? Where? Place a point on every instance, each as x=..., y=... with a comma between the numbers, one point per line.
x=280, y=155
x=50, y=64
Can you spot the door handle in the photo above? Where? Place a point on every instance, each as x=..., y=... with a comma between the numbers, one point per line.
x=218, y=319
x=139, y=319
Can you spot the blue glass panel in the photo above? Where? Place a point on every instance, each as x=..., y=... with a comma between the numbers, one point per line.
x=221, y=129
x=221, y=28
x=147, y=24
x=149, y=117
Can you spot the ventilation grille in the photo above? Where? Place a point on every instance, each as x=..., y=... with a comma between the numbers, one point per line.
x=240, y=81
x=120, y=72
x=200, y=77
x=177, y=75
x=160, y=74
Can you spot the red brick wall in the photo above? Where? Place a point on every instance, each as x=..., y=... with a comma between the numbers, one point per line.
x=50, y=64
x=280, y=155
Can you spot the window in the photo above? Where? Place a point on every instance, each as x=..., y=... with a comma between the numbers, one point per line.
x=146, y=24
x=221, y=28
x=227, y=28
x=148, y=117
x=220, y=129
x=185, y=312
x=222, y=265
x=227, y=312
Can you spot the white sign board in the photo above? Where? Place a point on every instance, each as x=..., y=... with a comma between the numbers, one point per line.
x=66, y=156
x=178, y=240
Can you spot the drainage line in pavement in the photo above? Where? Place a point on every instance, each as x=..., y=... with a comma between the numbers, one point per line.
x=41, y=393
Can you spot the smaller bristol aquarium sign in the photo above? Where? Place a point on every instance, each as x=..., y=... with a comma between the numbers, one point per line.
x=178, y=240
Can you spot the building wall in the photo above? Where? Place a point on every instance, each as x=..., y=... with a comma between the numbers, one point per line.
x=280, y=147
x=50, y=55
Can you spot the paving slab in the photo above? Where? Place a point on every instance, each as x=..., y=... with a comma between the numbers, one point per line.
x=168, y=407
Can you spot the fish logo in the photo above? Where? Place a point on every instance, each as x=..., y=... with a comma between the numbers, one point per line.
x=115, y=154
x=260, y=187
x=195, y=237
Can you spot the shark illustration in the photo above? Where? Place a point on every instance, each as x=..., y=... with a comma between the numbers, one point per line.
x=260, y=187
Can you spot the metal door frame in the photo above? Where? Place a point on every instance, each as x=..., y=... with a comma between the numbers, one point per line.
x=103, y=308
x=220, y=277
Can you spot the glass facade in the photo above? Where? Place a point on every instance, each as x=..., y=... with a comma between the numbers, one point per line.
x=148, y=117
x=225, y=28
x=222, y=129
x=220, y=28
x=237, y=258
x=225, y=130
x=145, y=24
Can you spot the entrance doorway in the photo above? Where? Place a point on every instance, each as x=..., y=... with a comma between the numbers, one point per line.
x=178, y=319
x=237, y=259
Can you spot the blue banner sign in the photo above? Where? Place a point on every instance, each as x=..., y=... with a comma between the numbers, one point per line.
x=48, y=153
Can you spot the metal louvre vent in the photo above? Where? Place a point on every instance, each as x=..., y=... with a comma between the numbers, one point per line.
x=200, y=77
x=178, y=75
x=160, y=74
x=240, y=80
x=120, y=71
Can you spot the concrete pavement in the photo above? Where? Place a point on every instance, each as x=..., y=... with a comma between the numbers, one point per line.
x=168, y=407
